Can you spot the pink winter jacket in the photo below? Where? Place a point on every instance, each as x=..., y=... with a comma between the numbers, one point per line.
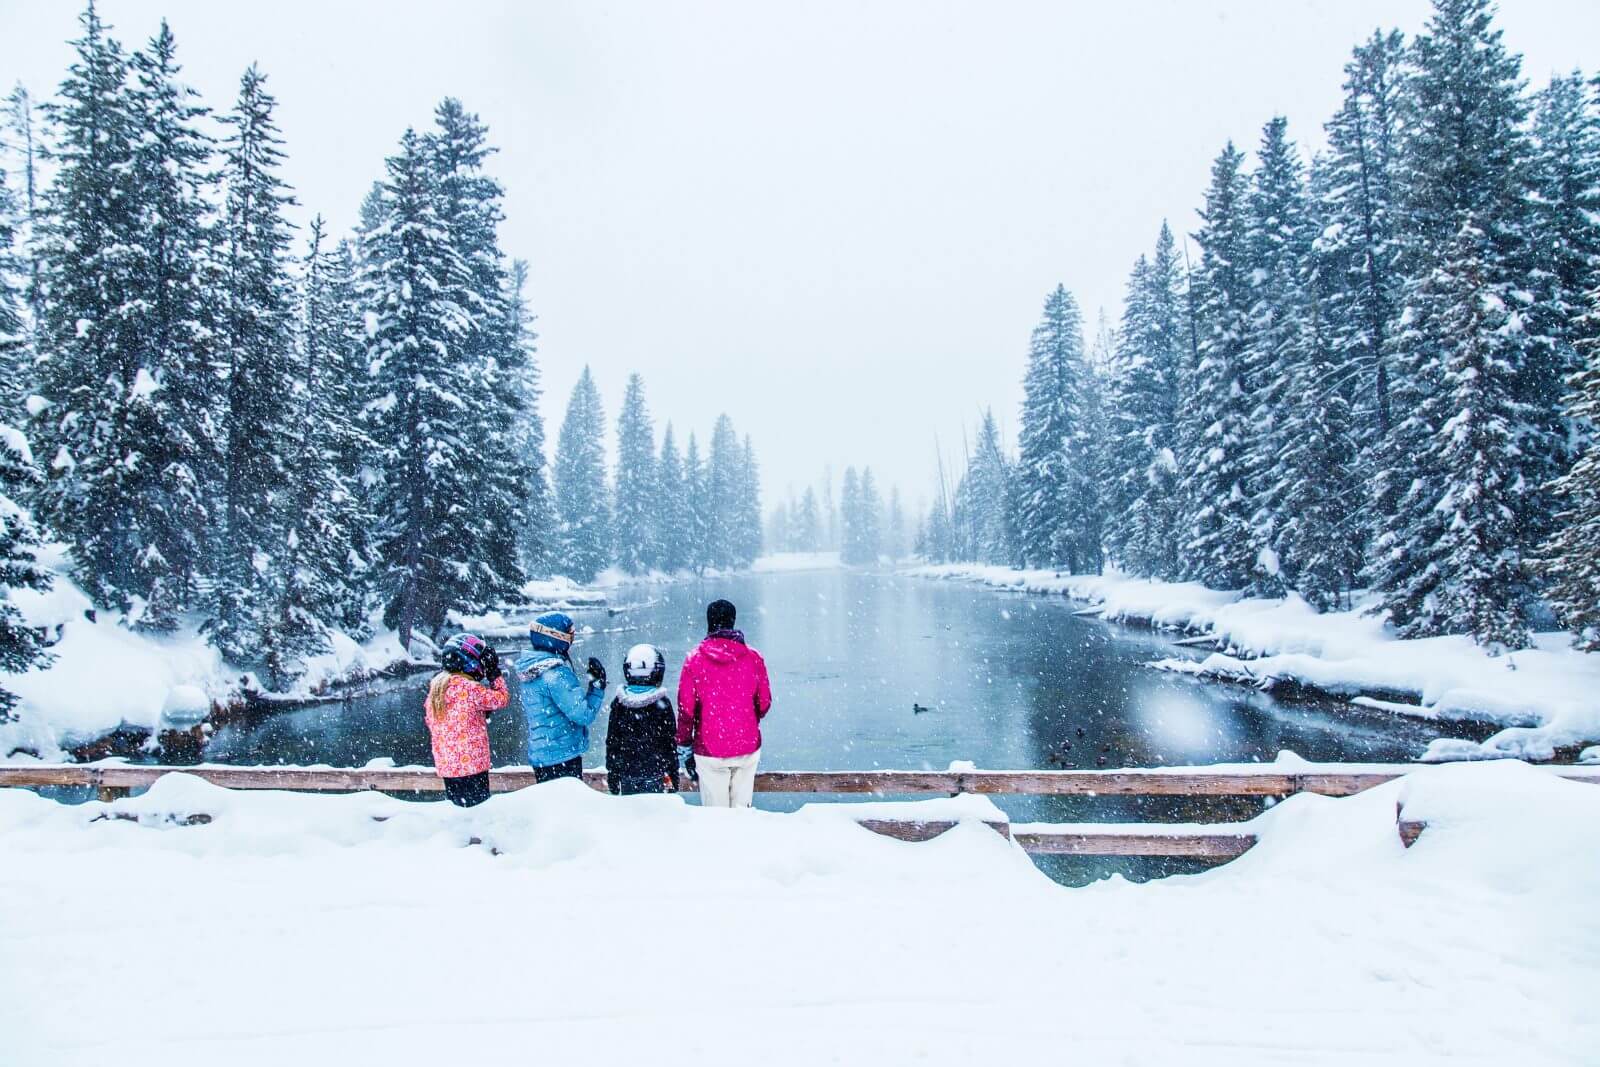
x=461, y=733
x=723, y=694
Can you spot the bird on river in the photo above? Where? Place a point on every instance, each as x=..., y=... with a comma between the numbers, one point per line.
x=918, y=709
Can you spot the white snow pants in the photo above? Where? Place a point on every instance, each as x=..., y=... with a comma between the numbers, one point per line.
x=727, y=783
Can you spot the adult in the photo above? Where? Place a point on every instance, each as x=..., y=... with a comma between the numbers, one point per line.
x=558, y=707
x=723, y=695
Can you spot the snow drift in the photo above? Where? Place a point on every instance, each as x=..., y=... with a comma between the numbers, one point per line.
x=561, y=925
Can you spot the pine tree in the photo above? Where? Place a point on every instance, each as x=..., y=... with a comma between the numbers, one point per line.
x=21, y=646
x=991, y=499
x=20, y=118
x=1469, y=375
x=870, y=518
x=671, y=514
x=852, y=536
x=895, y=544
x=538, y=517
x=1570, y=560
x=580, y=483
x=257, y=330
x=699, y=510
x=426, y=453
x=1049, y=487
x=807, y=523
x=1565, y=255
x=1221, y=550
x=1142, y=403
x=16, y=369
x=469, y=210
x=125, y=451
x=319, y=572
x=747, y=513
x=1279, y=244
x=724, y=483
x=1318, y=503
x=1360, y=228
x=637, y=497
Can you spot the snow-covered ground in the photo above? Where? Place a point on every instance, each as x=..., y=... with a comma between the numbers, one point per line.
x=1546, y=697
x=562, y=926
x=781, y=562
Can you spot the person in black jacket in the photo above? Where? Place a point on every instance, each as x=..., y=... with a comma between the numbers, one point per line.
x=641, y=737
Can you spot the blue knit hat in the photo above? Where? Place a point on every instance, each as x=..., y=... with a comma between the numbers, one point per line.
x=552, y=632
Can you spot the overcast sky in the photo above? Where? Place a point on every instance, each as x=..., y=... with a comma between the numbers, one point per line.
x=835, y=221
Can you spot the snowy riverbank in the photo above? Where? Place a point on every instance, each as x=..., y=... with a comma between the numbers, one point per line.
x=1547, y=697
x=321, y=930
x=106, y=677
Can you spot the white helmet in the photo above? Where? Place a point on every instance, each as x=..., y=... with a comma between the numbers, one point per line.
x=645, y=665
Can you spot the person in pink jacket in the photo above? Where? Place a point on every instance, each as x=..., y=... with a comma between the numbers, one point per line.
x=723, y=694
x=460, y=700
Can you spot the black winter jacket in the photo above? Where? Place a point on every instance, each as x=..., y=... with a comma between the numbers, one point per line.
x=641, y=744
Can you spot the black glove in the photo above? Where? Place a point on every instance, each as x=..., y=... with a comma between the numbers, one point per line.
x=690, y=769
x=597, y=672
x=491, y=665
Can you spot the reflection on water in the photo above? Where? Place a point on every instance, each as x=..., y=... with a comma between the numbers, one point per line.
x=1009, y=682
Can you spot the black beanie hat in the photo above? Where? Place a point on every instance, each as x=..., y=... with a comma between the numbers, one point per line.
x=720, y=615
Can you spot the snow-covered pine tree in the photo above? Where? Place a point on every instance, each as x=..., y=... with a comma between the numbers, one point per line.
x=1565, y=254
x=21, y=120
x=871, y=518
x=582, y=502
x=1221, y=549
x=257, y=332
x=469, y=207
x=671, y=514
x=807, y=523
x=318, y=574
x=421, y=391
x=779, y=528
x=1463, y=339
x=1359, y=231
x=125, y=450
x=637, y=501
x=724, y=482
x=895, y=540
x=1570, y=560
x=1048, y=487
x=1142, y=401
x=538, y=519
x=1279, y=243
x=699, y=509
x=747, y=515
x=991, y=499
x=16, y=364
x=851, y=534
x=21, y=646
x=1319, y=514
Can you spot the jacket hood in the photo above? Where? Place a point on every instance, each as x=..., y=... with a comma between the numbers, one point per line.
x=631, y=696
x=725, y=646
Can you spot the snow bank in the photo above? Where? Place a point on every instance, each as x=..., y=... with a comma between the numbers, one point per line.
x=1548, y=696
x=574, y=927
x=104, y=675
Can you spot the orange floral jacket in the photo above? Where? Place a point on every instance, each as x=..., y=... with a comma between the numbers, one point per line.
x=461, y=728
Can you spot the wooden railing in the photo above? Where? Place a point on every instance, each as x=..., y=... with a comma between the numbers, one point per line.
x=1207, y=840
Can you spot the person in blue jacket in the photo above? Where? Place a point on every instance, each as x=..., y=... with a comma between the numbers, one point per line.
x=559, y=707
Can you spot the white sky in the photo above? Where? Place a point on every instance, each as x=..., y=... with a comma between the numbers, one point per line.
x=837, y=221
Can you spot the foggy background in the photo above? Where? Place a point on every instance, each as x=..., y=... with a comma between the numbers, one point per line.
x=835, y=221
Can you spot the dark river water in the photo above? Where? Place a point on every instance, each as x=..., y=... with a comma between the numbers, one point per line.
x=1010, y=681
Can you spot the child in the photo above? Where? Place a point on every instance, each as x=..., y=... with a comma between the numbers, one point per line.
x=460, y=699
x=641, y=756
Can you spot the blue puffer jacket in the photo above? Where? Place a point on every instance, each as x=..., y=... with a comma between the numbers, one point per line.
x=559, y=708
